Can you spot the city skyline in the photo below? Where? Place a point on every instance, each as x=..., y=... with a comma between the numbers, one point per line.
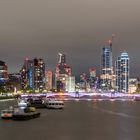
x=69, y=69
x=48, y=27
x=98, y=69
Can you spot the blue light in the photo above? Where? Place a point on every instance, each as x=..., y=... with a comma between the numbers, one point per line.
x=30, y=78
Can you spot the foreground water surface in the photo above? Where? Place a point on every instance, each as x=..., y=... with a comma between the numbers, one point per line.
x=80, y=120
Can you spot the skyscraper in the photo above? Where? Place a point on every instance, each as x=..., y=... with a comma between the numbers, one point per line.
x=106, y=67
x=3, y=72
x=62, y=72
x=122, y=72
x=39, y=74
x=27, y=74
x=33, y=74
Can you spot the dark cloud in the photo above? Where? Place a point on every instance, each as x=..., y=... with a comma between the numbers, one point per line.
x=78, y=28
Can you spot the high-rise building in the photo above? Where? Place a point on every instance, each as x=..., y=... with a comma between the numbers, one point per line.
x=62, y=72
x=122, y=73
x=48, y=77
x=27, y=74
x=33, y=74
x=39, y=74
x=3, y=72
x=70, y=84
x=106, y=67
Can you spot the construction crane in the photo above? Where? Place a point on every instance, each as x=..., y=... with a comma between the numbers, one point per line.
x=110, y=41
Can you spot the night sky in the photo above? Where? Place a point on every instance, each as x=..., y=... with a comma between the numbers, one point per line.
x=78, y=28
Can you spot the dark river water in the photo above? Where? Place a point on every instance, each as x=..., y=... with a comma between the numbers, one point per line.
x=80, y=120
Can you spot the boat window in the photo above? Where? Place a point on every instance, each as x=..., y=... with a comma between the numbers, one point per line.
x=9, y=111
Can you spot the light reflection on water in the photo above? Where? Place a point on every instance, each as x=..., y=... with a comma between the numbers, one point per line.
x=80, y=120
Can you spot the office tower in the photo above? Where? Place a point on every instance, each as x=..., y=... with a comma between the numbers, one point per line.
x=122, y=73
x=106, y=67
x=48, y=77
x=23, y=78
x=33, y=74
x=3, y=72
x=39, y=74
x=27, y=74
x=62, y=72
x=70, y=84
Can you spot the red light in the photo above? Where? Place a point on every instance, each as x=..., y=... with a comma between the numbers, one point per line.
x=109, y=41
x=26, y=58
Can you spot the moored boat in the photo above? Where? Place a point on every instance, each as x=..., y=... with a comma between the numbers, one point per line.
x=54, y=104
x=20, y=113
x=25, y=114
x=37, y=102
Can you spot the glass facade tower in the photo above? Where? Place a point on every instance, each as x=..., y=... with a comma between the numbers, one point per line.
x=122, y=73
x=106, y=68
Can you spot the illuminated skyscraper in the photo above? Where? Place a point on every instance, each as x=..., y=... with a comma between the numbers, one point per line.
x=106, y=67
x=27, y=74
x=33, y=74
x=39, y=74
x=122, y=73
x=3, y=72
x=62, y=72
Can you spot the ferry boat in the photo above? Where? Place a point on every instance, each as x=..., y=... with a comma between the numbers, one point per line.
x=25, y=114
x=54, y=104
x=20, y=113
x=36, y=102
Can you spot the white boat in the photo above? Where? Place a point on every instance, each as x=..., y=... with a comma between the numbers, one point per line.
x=54, y=104
x=20, y=113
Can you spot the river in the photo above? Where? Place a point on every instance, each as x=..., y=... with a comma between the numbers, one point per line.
x=80, y=120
